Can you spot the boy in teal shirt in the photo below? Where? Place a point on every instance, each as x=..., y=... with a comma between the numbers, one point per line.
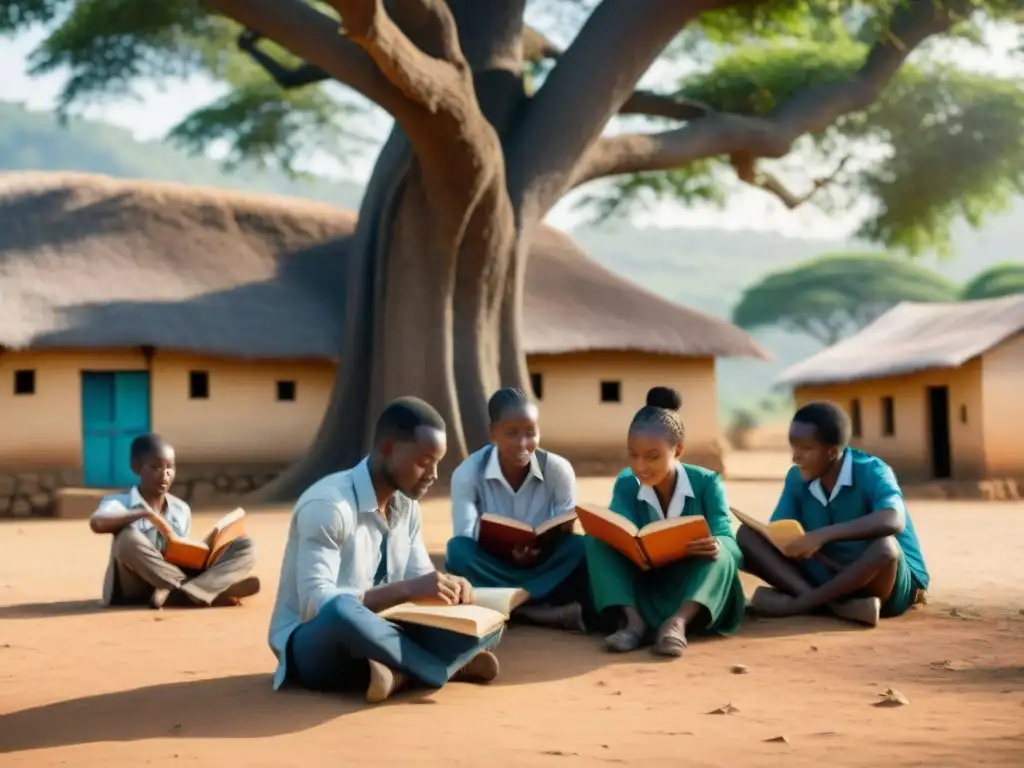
x=860, y=556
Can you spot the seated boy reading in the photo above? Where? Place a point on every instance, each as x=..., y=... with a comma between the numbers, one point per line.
x=355, y=548
x=860, y=556
x=137, y=571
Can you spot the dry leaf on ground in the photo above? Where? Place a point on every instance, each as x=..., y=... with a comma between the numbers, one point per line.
x=892, y=698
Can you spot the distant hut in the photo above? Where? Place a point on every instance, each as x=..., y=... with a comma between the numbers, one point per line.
x=935, y=389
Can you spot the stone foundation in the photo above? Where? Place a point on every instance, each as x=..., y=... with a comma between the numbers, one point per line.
x=215, y=486
x=30, y=493
x=33, y=493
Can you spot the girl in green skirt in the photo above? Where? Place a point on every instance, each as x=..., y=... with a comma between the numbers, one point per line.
x=701, y=591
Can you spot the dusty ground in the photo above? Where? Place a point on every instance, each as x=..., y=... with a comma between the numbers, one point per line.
x=80, y=686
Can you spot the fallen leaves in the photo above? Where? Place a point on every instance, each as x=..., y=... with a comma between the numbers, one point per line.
x=727, y=709
x=892, y=698
x=952, y=665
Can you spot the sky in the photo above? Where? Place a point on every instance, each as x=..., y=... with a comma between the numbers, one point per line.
x=156, y=109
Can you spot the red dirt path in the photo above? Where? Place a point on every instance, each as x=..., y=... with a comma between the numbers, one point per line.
x=81, y=686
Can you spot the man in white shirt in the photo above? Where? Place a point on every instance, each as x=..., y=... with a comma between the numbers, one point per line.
x=137, y=570
x=355, y=547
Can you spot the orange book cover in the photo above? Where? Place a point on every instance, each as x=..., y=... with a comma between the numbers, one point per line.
x=656, y=544
x=198, y=555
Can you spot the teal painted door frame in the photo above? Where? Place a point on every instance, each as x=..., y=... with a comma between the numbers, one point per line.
x=115, y=410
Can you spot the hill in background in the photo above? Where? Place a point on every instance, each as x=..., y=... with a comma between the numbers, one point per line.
x=702, y=268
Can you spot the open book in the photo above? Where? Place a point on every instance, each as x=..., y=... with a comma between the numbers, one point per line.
x=198, y=555
x=501, y=535
x=491, y=611
x=780, y=533
x=656, y=544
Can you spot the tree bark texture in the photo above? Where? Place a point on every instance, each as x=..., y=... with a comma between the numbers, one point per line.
x=437, y=263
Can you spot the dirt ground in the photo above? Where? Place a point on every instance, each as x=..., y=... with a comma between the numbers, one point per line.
x=82, y=686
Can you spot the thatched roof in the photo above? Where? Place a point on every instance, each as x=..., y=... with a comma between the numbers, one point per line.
x=91, y=261
x=912, y=337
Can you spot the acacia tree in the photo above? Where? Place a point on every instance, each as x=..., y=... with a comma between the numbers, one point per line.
x=999, y=280
x=828, y=297
x=483, y=145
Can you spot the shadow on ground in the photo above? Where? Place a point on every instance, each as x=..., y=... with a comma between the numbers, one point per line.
x=53, y=610
x=245, y=706
x=239, y=707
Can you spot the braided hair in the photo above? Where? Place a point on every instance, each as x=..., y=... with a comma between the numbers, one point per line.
x=661, y=413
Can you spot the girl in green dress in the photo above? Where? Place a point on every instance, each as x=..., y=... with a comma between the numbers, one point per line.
x=702, y=591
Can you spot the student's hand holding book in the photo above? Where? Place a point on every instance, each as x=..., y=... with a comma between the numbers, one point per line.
x=808, y=545
x=440, y=588
x=703, y=547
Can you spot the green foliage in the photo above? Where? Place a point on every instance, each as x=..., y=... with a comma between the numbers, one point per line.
x=17, y=14
x=109, y=46
x=1000, y=280
x=698, y=182
x=263, y=124
x=827, y=297
x=938, y=145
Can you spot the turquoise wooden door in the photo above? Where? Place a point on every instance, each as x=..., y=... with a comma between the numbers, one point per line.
x=115, y=410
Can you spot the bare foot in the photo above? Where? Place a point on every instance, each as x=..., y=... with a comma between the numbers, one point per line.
x=233, y=595
x=384, y=682
x=568, y=617
x=158, y=598
x=482, y=668
x=863, y=610
x=767, y=601
x=671, y=640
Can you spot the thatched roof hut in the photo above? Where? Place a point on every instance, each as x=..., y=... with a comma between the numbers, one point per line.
x=90, y=261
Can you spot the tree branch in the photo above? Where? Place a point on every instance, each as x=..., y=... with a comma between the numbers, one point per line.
x=313, y=36
x=658, y=105
x=429, y=73
x=808, y=112
x=747, y=171
x=593, y=78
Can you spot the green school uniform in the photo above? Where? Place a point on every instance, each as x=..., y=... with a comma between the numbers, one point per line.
x=658, y=593
x=865, y=484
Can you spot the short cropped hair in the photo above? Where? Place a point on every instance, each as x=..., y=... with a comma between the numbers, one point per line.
x=402, y=417
x=505, y=400
x=830, y=422
x=145, y=446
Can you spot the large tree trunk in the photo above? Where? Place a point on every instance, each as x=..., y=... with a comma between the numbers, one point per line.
x=435, y=275
x=424, y=317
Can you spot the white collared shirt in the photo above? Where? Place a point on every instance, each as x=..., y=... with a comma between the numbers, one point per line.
x=478, y=488
x=334, y=548
x=177, y=513
x=845, y=479
x=676, y=505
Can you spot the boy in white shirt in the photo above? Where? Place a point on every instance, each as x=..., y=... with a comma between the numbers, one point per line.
x=137, y=571
x=355, y=547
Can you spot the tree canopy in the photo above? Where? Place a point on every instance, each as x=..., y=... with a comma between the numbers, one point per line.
x=1001, y=280
x=830, y=296
x=916, y=143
